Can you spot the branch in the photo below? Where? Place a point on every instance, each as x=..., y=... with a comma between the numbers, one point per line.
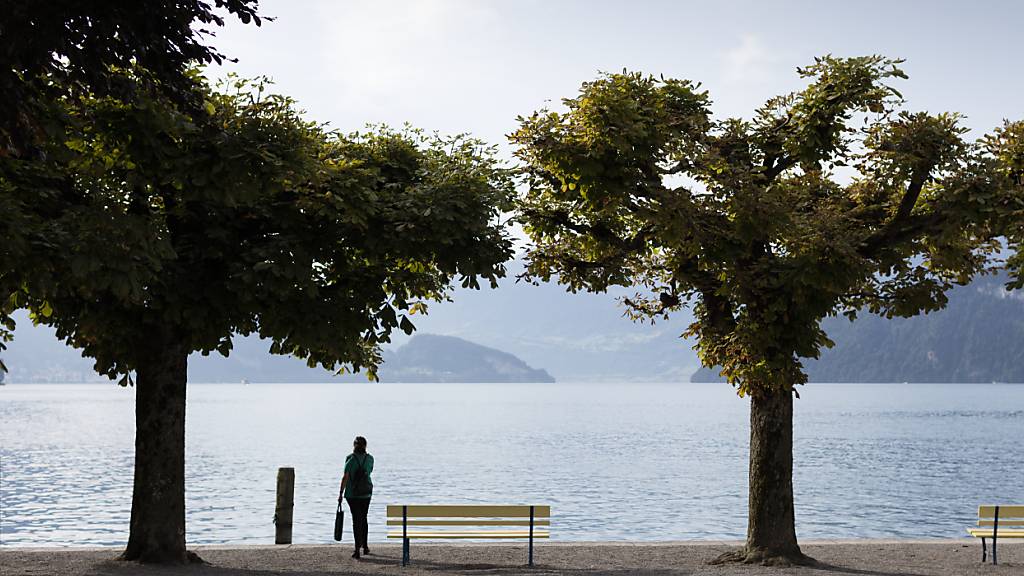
x=600, y=232
x=777, y=166
x=910, y=197
x=903, y=226
x=719, y=311
x=898, y=233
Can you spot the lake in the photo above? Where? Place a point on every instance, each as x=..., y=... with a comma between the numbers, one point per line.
x=615, y=462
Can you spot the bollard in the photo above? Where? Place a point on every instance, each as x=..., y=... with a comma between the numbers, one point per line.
x=285, y=505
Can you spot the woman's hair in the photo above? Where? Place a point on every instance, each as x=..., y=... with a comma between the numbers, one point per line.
x=360, y=445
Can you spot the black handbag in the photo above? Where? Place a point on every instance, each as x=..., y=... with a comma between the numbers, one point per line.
x=339, y=522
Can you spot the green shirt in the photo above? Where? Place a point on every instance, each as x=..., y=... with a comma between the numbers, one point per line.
x=352, y=463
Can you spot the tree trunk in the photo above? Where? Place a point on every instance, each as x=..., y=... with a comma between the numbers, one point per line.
x=158, y=497
x=771, y=530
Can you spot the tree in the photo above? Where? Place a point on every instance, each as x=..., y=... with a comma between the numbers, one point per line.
x=242, y=218
x=81, y=44
x=1006, y=145
x=830, y=200
x=60, y=49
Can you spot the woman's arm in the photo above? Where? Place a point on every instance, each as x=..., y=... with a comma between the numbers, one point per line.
x=344, y=480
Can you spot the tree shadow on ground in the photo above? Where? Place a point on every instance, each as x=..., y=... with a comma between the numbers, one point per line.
x=860, y=572
x=379, y=566
x=390, y=563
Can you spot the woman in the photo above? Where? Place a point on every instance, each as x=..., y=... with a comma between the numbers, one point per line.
x=357, y=488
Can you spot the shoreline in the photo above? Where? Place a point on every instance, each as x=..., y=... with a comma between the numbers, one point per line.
x=498, y=543
x=877, y=557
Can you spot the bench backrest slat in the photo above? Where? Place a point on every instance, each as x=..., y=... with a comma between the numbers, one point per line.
x=1005, y=512
x=1002, y=523
x=1009, y=516
x=467, y=511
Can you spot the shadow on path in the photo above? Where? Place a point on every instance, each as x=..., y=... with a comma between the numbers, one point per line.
x=372, y=566
x=846, y=570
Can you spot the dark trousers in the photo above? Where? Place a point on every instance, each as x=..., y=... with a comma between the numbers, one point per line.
x=359, y=507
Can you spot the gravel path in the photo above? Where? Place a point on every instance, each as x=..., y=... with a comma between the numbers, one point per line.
x=857, y=557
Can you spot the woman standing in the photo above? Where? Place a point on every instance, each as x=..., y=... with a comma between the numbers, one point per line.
x=357, y=488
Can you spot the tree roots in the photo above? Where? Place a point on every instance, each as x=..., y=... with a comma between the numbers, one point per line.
x=765, y=557
x=190, y=557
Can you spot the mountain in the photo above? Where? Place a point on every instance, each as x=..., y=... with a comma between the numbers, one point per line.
x=579, y=337
x=433, y=358
x=574, y=337
x=978, y=337
x=424, y=358
x=584, y=338
x=36, y=355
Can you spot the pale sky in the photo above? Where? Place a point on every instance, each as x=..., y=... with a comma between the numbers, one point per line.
x=473, y=66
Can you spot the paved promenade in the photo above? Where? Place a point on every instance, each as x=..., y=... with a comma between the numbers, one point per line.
x=854, y=557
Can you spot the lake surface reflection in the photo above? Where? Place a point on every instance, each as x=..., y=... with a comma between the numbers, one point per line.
x=615, y=462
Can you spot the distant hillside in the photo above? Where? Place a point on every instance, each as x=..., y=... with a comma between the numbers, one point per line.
x=424, y=358
x=574, y=337
x=432, y=358
x=979, y=337
x=37, y=356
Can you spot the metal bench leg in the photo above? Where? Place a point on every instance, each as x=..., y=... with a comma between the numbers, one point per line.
x=405, y=535
x=984, y=552
x=995, y=535
x=531, y=536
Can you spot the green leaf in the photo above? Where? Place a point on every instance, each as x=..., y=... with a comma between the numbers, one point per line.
x=406, y=325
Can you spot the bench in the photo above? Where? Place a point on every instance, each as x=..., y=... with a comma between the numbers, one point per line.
x=468, y=521
x=998, y=522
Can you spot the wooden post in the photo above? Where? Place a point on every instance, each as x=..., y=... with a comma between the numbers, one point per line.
x=285, y=505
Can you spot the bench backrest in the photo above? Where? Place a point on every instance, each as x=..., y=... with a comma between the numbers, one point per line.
x=1008, y=515
x=467, y=515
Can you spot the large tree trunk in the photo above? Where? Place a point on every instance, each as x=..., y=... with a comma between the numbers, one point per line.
x=771, y=530
x=158, y=497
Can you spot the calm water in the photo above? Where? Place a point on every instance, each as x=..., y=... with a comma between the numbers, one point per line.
x=616, y=462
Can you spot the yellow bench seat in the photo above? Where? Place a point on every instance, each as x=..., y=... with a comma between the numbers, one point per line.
x=1003, y=532
x=476, y=534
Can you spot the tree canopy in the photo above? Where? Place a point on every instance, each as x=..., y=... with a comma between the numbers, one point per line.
x=152, y=231
x=250, y=220
x=827, y=201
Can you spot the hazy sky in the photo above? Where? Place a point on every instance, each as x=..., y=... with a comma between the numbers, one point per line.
x=473, y=66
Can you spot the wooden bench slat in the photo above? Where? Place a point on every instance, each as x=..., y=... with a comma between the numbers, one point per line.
x=481, y=535
x=987, y=533
x=989, y=511
x=1001, y=522
x=411, y=522
x=468, y=511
